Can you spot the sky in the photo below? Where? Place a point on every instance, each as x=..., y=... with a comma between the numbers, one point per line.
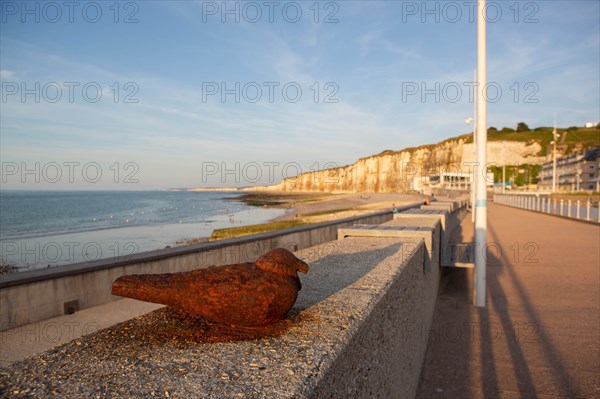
x=144, y=95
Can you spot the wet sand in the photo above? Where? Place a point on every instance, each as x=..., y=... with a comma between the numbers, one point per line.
x=318, y=207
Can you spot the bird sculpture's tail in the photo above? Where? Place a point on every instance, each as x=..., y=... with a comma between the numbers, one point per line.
x=156, y=288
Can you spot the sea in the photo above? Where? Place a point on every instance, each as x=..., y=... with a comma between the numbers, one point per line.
x=41, y=229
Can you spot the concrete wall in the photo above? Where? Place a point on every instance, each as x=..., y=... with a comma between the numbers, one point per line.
x=359, y=329
x=383, y=358
x=37, y=295
x=353, y=332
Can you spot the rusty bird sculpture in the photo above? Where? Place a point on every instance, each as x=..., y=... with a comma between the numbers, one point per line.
x=243, y=294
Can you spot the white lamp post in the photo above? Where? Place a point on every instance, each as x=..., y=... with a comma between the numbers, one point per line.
x=554, y=156
x=481, y=192
x=473, y=120
x=470, y=120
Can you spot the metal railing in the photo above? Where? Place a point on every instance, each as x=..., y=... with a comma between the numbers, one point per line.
x=581, y=210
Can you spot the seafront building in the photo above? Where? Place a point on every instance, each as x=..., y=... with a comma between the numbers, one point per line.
x=450, y=180
x=575, y=172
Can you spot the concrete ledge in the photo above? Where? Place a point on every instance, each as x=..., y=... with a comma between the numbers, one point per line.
x=444, y=207
x=436, y=214
x=352, y=333
x=448, y=221
x=454, y=204
x=37, y=295
x=429, y=231
x=433, y=223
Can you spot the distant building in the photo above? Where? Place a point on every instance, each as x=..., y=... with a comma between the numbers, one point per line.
x=576, y=172
x=455, y=180
x=592, y=124
x=451, y=180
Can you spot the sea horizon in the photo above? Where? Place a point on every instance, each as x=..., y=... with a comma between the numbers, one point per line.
x=41, y=228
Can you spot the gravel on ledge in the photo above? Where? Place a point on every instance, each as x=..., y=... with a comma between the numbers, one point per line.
x=167, y=353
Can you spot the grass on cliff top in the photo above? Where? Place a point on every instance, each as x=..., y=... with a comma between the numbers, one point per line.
x=588, y=137
x=276, y=199
x=232, y=232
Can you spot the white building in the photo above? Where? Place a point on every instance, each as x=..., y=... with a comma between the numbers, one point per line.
x=449, y=180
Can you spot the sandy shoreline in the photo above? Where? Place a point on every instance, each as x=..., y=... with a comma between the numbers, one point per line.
x=318, y=207
x=52, y=250
x=299, y=208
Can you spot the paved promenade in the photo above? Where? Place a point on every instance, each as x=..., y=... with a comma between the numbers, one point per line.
x=539, y=335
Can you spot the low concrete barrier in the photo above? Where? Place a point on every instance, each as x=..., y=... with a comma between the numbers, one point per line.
x=355, y=331
x=359, y=329
x=37, y=295
x=444, y=207
x=427, y=229
x=434, y=223
x=435, y=214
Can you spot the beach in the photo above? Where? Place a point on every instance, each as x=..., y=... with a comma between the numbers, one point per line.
x=319, y=207
x=308, y=208
x=234, y=215
x=42, y=229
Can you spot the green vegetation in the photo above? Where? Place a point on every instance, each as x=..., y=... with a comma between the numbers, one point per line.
x=276, y=200
x=232, y=232
x=570, y=139
x=517, y=175
x=583, y=137
x=327, y=212
x=522, y=127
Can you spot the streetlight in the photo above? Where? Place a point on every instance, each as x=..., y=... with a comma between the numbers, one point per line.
x=481, y=134
x=554, y=156
x=473, y=120
x=470, y=120
x=503, y=178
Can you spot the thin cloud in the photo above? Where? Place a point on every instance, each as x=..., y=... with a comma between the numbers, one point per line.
x=6, y=74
